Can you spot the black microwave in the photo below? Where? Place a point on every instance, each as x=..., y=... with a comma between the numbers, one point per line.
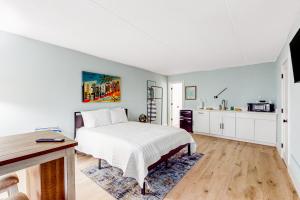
x=261, y=107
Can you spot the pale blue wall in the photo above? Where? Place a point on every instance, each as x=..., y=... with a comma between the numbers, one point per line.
x=245, y=84
x=40, y=85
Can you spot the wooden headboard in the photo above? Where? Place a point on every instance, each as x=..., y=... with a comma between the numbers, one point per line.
x=78, y=121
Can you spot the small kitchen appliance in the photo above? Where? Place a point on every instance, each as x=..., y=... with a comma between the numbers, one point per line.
x=261, y=107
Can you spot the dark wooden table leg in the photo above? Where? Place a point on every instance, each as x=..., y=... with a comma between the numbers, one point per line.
x=189, y=150
x=99, y=164
x=143, y=190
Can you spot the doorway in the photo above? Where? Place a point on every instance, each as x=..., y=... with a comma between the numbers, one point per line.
x=176, y=91
x=284, y=111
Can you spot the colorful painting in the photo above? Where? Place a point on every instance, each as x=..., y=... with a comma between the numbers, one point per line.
x=100, y=88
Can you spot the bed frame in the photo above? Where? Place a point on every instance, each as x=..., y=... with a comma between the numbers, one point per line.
x=78, y=123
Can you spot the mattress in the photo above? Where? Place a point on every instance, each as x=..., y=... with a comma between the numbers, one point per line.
x=132, y=146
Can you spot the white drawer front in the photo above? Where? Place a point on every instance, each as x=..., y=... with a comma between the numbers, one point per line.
x=257, y=116
x=228, y=114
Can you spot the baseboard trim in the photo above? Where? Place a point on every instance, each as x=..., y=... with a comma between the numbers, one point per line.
x=292, y=174
x=236, y=139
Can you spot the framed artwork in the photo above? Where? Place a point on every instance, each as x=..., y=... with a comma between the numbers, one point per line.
x=190, y=92
x=100, y=88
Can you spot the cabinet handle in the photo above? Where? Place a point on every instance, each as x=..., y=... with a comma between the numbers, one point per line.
x=223, y=126
x=220, y=126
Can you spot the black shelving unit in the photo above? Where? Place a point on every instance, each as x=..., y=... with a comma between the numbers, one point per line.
x=154, y=102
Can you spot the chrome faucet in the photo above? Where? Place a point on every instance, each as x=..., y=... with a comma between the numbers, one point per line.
x=223, y=104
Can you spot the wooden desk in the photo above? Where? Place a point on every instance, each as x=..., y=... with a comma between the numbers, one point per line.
x=50, y=166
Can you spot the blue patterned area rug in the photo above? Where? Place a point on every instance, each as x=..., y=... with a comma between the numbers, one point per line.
x=160, y=180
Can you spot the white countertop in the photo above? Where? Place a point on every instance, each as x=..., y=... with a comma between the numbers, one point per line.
x=265, y=113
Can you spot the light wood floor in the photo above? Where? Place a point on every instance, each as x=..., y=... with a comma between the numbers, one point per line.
x=228, y=170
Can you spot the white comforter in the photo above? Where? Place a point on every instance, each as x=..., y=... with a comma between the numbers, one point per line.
x=132, y=146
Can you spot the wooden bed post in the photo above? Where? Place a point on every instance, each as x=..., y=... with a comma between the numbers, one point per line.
x=143, y=190
x=99, y=164
x=189, y=150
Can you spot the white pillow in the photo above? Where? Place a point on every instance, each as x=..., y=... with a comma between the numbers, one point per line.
x=96, y=118
x=118, y=115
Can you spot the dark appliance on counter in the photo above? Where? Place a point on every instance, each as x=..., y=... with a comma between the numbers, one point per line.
x=261, y=107
x=186, y=120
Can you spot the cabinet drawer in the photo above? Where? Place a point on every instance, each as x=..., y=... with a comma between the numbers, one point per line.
x=252, y=115
x=186, y=113
x=186, y=121
x=228, y=114
x=187, y=125
x=201, y=112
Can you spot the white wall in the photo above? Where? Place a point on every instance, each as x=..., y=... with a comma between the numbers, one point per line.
x=294, y=112
x=40, y=85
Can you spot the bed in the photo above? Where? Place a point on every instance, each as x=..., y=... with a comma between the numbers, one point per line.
x=133, y=147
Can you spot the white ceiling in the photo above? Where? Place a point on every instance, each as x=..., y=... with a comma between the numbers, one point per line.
x=163, y=36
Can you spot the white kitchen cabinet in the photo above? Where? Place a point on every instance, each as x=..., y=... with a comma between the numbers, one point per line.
x=229, y=124
x=215, y=124
x=264, y=131
x=201, y=121
x=222, y=123
x=245, y=128
x=253, y=127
